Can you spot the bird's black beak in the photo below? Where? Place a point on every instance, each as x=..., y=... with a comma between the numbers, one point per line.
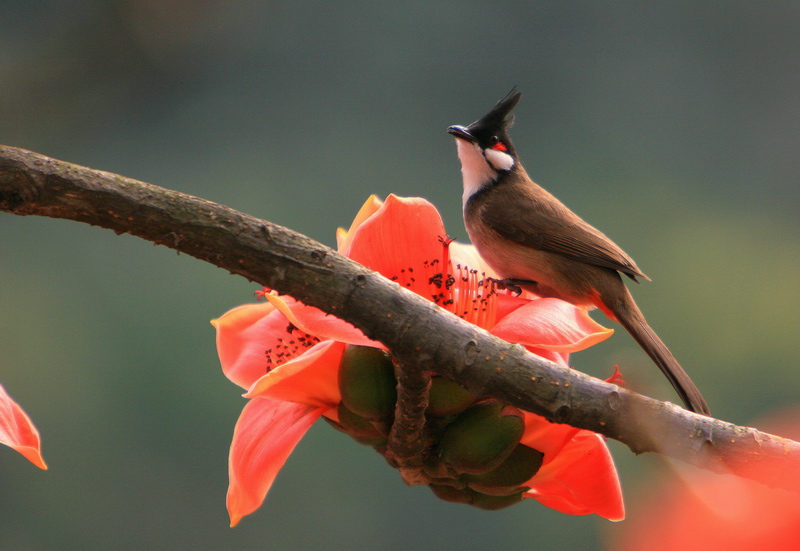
x=462, y=133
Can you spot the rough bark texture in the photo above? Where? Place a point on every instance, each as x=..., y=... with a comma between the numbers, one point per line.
x=419, y=334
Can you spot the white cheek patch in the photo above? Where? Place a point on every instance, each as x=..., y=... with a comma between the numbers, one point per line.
x=474, y=168
x=499, y=159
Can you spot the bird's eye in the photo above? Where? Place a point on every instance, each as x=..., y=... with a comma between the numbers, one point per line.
x=496, y=144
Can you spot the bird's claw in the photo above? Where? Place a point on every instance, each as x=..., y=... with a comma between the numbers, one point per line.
x=513, y=285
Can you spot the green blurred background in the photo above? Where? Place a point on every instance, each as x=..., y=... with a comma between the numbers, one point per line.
x=672, y=127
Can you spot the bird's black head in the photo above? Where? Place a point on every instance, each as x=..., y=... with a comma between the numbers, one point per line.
x=490, y=132
x=484, y=148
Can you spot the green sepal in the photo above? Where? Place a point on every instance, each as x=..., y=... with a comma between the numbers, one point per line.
x=355, y=425
x=448, y=398
x=482, y=437
x=376, y=443
x=367, y=382
x=476, y=499
x=452, y=494
x=495, y=503
x=523, y=463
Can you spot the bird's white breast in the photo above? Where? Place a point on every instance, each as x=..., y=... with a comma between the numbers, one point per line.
x=475, y=171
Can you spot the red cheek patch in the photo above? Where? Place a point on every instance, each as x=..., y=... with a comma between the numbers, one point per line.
x=499, y=146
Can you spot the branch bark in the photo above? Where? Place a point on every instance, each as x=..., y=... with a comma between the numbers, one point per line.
x=418, y=332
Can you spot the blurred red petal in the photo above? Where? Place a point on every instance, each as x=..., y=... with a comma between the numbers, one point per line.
x=551, y=324
x=716, y=511
x=265, y=435
x=17, y=430
x=701, y=510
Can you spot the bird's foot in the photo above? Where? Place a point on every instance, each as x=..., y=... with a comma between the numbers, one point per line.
x=513, y=285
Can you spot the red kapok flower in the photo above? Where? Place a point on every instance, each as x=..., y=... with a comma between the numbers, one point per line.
x=17, y=430
x=287, y=356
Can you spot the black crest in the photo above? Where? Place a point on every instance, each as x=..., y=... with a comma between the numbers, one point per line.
x=499, y=118
x=497, y=121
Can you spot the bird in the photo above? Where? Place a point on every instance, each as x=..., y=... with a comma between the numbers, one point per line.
x=534, y=242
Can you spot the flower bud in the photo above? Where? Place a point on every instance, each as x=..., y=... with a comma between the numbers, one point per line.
x=476, y=499
x=378, y=443
x=494, y=503
x=448, y=398
x=452, y=494
x=367, y=383
x=510, y=475
x=355, y=425
x=482, y=437
x=435, y=468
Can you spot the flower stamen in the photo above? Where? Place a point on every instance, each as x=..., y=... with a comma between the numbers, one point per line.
x=285, y=349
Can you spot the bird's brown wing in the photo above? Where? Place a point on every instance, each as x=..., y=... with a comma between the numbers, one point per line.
x=550, y=226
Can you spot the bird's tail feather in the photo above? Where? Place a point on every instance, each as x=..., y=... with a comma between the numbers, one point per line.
x=631, y=318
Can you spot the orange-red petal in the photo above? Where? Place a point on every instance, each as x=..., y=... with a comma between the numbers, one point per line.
x=316, y=322
x=578, y=476
x=507, y=303
x=243, y=335
x=549, y=438
x=311, y=378
x=561, y=358
x=345, y=237
x=403, y=233
x=265, y=435
x=551, y=324
x=467, y=255
x=17, y=430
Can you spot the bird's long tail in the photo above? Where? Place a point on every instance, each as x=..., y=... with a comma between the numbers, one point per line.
x=631, y=318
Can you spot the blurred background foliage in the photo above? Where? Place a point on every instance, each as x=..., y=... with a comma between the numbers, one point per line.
x=672, y=126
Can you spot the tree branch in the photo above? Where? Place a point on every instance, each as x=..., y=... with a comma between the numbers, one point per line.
x=414, y=329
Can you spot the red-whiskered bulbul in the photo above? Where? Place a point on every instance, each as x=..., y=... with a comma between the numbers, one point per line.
x=530, y=238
